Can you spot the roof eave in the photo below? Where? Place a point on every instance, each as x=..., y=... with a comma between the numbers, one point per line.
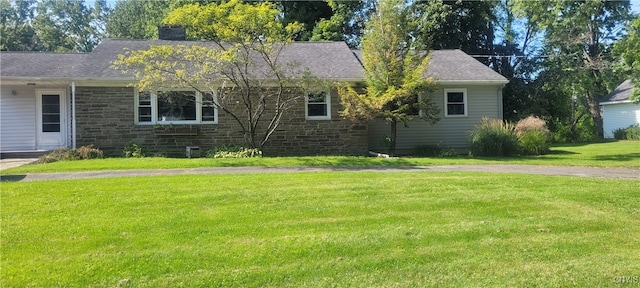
x=472, y=82
x=616, y=102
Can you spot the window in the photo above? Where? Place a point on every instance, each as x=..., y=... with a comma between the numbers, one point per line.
x=175, y=107
x=455, y=101
x=318, y=105
x=50, y=113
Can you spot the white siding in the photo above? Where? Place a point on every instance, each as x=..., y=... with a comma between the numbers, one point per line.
x=482, y=101
x=621, y=115
x=17, y=118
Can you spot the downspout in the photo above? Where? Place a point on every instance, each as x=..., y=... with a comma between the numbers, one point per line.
x=73, y=114
x=500, y=101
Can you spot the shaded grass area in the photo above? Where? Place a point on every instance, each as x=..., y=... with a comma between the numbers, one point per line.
x=321, y=229
x=610, y=154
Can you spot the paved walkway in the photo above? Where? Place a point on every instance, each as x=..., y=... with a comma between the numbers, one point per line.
x=15, y=162
x=592, y=172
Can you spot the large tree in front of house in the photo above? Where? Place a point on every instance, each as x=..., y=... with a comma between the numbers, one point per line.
x=395, y=61
x=239, y=63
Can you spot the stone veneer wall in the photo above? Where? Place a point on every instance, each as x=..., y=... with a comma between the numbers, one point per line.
x=105, y=118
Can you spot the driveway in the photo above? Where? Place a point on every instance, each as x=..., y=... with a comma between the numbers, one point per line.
x=591, y=172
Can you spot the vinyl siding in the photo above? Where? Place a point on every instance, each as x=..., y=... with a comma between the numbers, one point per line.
x=17, y=119
x=620, y=115
x=482, y=101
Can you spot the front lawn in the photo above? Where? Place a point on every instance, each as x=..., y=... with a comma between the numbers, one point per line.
x=335, y=229
x=610, y=154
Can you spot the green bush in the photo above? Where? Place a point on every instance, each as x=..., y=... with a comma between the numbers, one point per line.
x=633, y=132
x=630, y=133
x=533, y=136
x=493, y=137
x=68, y=154
x=133, y=150
x=533, y=143
x=231, y=151
x=620, y=134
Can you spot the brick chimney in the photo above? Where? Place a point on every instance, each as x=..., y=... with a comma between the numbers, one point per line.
x=172, y=33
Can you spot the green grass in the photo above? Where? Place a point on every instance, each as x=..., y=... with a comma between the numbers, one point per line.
x=611, y=154
x=332, y=229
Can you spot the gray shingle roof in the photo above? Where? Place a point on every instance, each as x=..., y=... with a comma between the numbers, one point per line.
x=455, y=65
x=39, y=64
x=326, y=60
x=621, y=93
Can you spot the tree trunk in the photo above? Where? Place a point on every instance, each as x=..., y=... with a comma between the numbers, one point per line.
x=394, y=135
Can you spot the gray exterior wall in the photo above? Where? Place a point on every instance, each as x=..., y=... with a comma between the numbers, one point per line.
x=482, y=101
x=105, y=118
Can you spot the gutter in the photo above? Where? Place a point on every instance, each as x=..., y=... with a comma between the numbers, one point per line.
x=73, y=115
x=616, y=102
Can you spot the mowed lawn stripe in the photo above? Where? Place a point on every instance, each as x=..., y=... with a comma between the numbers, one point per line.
x=320, y=229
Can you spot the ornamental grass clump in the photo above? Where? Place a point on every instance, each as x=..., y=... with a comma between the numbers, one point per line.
x=493, y=137
x=533, y=136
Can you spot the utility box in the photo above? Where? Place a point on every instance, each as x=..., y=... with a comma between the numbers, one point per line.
x=193, y=152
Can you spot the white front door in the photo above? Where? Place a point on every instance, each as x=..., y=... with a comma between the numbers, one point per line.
x=51, y=128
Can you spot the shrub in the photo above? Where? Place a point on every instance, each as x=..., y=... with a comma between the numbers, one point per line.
x=89, y=152
x=633, y=132
x=433, y=151
x=630, y=133
x=134, y=150
x=620, y=134
x=531, y=123
x=60, y=154
x=230, y=151
x=533, y=143
x=67, y=154
x=533, y=136
x=493, y=137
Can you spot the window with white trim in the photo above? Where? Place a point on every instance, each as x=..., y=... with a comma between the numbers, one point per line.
x=318, y=105
x=175, y=107
x=455, y=102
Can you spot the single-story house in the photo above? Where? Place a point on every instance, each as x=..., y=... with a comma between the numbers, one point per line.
x=618, y=111
x=50, y=100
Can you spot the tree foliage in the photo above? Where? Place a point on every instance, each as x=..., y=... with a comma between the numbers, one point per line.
x=137, y=19
x=241, y=68
x=628, y=49
x=51, y=25
x=578, y=40
x=70, y=25
x=16, y=30
x=394, y=62
x=345, y=24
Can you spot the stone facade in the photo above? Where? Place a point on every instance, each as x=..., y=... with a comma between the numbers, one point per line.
x=105, y=117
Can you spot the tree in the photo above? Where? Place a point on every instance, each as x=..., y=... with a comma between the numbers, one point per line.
x=16, y=31
x=69, y=25
x=628, y=50
x=240, y=65
x=578, y=40
x=518, y=58
x=136, y=19
x=394, y=62
x=464, y=25
x=307, y=13
x=345, y=24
